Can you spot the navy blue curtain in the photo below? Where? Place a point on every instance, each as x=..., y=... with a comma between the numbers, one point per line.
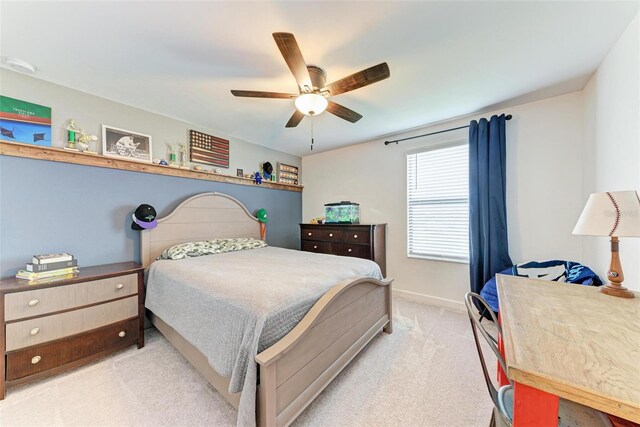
x=488, y=245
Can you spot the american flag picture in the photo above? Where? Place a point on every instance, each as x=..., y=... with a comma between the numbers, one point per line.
x=208, y=149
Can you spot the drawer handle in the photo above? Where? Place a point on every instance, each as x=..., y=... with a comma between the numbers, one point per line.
x=35, y=360
x=119, y=286
x=34, y=331
x=122, y=334
x=355, y=236
x=308, y=234
x=33, y=302
x=349, y=250
x=315, y=246
x=330, y=234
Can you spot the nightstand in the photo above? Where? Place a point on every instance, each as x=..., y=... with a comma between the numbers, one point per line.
x=57, y=326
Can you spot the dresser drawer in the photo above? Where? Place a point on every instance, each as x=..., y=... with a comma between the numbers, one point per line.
x=357, y=236
x=43, y=357
x=310, y=233
x=19, y=305
x=48, y=328
x=318, y=247
x=321, y=233
x=346, y=249
x=331, y=235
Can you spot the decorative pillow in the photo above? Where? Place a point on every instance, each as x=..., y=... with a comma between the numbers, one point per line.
x=210, y=247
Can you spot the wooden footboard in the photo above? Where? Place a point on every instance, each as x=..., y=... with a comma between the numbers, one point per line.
x=299, y=366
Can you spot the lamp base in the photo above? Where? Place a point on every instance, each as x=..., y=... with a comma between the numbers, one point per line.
x=616, y=290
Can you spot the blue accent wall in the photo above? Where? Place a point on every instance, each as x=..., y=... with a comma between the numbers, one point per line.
x=57, y=207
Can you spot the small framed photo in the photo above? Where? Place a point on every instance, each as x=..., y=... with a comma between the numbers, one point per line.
x=240, y=173
x=125, y=144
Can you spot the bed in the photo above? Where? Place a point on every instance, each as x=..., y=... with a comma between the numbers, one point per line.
x=298, y=360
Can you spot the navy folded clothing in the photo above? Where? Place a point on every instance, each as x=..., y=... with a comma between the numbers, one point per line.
x=555, y=270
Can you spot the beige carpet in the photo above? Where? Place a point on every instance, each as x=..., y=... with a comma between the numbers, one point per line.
x=425, y=374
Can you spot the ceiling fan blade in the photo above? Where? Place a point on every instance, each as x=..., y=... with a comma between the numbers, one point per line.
x=295, y=119
x=357, y=80
x=293, y=56
x=343, y=112
x=258, y=94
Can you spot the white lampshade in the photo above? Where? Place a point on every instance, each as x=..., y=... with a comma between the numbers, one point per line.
x=615, y=213
x=311, y=104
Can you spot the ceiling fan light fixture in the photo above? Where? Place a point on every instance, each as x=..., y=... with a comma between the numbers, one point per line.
x=311, y=104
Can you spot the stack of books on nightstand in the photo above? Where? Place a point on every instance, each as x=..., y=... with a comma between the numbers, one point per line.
x=50, y=267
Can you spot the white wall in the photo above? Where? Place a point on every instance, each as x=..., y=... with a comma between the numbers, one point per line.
x=90, y=112
x=544, y=191
x=612, y=141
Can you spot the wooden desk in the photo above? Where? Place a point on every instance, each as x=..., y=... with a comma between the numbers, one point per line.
x=569, y=341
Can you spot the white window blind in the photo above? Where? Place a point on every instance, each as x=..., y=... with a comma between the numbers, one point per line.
x=438, y=203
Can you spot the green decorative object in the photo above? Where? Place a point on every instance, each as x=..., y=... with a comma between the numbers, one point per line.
x=262, y=215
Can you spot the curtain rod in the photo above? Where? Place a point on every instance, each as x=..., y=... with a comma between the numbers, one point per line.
x=508, y=117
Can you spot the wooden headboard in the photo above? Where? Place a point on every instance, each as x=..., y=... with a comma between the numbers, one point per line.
x=204, y=216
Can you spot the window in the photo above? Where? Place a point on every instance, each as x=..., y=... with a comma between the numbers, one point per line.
x=438, y=203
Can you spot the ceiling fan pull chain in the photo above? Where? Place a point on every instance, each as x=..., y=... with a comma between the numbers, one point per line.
x=311, y=133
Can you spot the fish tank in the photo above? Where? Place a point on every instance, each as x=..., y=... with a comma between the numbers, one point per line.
x=344, y=212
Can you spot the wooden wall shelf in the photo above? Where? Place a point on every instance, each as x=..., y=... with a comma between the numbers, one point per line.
x=14, y=149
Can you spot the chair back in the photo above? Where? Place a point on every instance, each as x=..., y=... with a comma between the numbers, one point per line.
x=477, y=327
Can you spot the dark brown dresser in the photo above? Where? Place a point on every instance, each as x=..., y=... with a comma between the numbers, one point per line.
x=356, y=240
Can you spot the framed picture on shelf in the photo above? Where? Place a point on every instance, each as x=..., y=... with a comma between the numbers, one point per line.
x=240, y=173
x=125, y=144
x=22, y=121
x=208, y=149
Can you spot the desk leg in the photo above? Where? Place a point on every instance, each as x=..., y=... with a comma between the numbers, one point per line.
x=502, y=375
x=533, y=407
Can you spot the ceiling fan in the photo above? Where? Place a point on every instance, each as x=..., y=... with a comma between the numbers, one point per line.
x=312, y=99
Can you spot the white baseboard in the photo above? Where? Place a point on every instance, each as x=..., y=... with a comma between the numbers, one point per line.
x=428, y=299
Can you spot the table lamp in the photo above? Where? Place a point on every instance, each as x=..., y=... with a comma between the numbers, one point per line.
x=614, y=214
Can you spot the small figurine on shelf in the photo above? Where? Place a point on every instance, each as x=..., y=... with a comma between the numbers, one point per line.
x=163, y=162
x=172, y=155
x=182, y=148
x=84, y=140
x=257, y=178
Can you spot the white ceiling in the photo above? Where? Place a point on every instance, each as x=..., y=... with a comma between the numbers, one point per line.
x=181, y=59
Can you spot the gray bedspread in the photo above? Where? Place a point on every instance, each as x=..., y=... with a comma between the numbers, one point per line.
x=231, y=306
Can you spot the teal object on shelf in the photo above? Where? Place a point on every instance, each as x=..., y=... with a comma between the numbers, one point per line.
x=344, y=212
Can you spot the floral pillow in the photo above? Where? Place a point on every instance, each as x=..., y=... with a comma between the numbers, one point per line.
x=210, y=247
